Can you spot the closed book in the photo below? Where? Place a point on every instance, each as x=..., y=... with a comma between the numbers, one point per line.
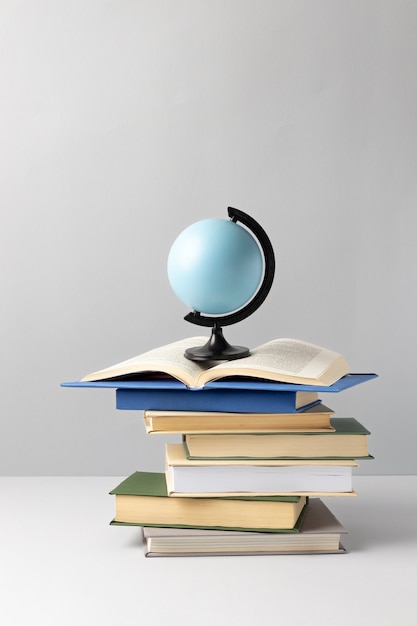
x=313, y=419
x=198, y=478
x=347, y=441
x=320, y=533
x=142, y=499
x=244, y=395
x=249, y=399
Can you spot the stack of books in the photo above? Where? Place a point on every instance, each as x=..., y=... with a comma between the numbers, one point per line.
x=258, y=450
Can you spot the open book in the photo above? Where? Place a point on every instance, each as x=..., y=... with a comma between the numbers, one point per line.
x=281, y=360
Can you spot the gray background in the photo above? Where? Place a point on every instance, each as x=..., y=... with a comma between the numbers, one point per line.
x=123, y=122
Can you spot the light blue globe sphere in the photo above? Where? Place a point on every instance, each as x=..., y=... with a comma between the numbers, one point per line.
x=215, y=266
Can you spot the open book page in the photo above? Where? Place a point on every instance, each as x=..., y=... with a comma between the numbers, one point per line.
x=168, y=359
x=285, y=360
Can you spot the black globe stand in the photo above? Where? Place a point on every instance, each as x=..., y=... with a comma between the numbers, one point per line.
x=217, y=348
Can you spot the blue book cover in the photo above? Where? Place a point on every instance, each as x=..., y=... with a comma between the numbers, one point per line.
x=238, y=396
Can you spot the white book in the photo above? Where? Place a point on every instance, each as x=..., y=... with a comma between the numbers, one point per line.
x=186, y=477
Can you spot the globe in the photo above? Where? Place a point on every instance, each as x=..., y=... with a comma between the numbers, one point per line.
x=223, y=273
x=215, y=266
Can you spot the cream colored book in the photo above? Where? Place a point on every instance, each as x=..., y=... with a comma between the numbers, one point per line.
x=314, y=419
x=142, y=499
x=202, y=477
x=280, y=360
x=349, y=440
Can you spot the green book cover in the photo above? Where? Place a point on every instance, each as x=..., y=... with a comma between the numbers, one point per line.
x=153, y=484
x=347, y=426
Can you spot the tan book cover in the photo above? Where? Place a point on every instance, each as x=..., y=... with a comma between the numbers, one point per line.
x=314, y=419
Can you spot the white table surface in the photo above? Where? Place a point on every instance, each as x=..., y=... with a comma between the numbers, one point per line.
x=61, y=563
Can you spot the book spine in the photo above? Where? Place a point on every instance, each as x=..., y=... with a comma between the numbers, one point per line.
x=234, y=401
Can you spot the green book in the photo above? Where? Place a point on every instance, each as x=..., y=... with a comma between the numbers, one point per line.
x=348, y=440
x=142, y=499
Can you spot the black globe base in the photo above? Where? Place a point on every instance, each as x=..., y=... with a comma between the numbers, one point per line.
x=216, y=349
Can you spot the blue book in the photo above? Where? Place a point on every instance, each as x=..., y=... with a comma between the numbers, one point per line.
x=235, y=396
